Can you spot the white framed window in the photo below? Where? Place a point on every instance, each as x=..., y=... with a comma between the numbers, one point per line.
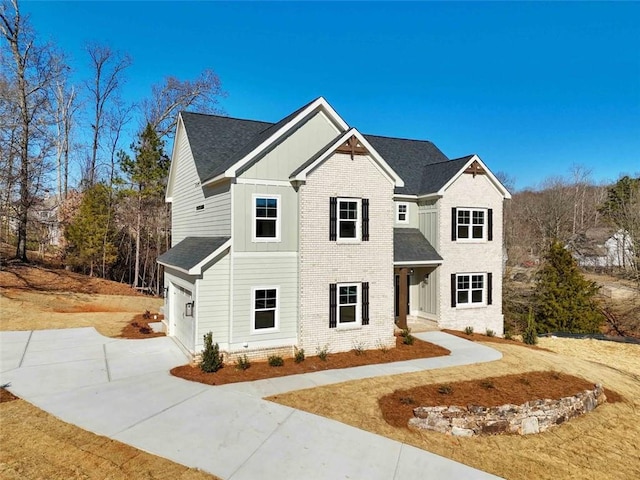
x=402, y=212
x=471, y=224
x=264, y=309
x=348, y=215
x=266, y=218
x=349, y=304
x=471, y=289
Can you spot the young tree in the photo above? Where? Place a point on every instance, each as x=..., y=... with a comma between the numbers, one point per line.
x=33, y=70
x=147, y=173
x=565, y=300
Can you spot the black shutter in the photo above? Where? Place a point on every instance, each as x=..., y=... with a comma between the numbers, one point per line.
x=489, y=288
x=333, y=319
x=453, y=289
x=490, y=224
x=333, y=214
x=365, y=303
x=454, y=224
x=365, y=219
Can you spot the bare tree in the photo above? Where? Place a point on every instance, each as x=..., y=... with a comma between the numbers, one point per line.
x=108, y=69
x=66, y=107
x=34, y=69
x=173, y=95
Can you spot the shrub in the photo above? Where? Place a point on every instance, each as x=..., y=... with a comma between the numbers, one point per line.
x=299, y=356
x=212, y=359
x=407, y=338
x=382, y=347
x=445, y=389
x=323, y=353
x=242, y=363
x=508, y=335
x=275, y=361
x=488, y=384
x=407, y=401
x=530, y=335
x=490, y=333
x=358, y=348
x=468, y=330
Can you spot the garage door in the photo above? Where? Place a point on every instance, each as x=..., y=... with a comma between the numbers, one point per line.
x=183, y=326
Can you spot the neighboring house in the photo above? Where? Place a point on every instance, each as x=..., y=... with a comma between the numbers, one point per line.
x=307, y=233
x=602, y=248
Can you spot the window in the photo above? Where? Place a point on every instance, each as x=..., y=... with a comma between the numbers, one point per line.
x=469, y=289
x=472, y=224
x=348, y=304
x=349, y=219
x=402, y=213
x=266, y=218
x=265, y=309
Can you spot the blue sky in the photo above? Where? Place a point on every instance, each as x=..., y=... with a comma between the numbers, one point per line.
x=532, y=88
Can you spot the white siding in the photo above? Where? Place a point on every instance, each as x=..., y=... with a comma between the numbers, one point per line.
x=278, y=164
x=275, y=270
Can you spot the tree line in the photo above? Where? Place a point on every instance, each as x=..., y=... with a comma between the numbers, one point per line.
x=71, y=141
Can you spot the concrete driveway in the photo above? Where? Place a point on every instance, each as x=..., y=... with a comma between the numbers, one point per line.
x=122, y=389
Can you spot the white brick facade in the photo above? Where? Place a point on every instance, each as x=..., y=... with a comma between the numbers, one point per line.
x=323, y=262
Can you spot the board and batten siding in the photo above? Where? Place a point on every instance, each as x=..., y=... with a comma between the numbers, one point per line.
x=213, y=302
x=211, y=221
x=243, y=207
x=428, y=222
x=268, y=271
x=424, y=293
x=278, y=164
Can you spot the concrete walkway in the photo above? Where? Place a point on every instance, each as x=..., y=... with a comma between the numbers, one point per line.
x=122, y=389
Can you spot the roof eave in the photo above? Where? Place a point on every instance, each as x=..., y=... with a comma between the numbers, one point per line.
x=197, y=269
x=409, y=263
x=501, y=188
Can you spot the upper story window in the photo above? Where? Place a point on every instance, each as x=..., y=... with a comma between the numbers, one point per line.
x=348, y=219
x=472, y=224
x=266, y=218
x=402, y=213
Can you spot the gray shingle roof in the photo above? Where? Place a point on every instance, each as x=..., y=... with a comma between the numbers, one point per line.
x=219, y=142
x=191, y=251
x=409, y=245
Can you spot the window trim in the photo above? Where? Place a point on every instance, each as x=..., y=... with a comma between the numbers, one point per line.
x=398, y=213
x=485, y=225
x=254, y=218
x=358, y=305
x=276, y=327
x=357, y=220
x=485, y=290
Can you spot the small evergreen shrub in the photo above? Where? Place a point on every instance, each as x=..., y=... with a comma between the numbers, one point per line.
x=530, y=335
x=212, y=359
x=407, y=401
x=508, y=335
x=488, y=384
x=468, y=330
x=445, y=389
x=323, y=353
x=490, y=333
x=407, y=338
x=243, y=362
x=275, y=361
x=299, y=356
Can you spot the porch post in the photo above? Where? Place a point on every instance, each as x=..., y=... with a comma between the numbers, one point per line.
x=402, y=308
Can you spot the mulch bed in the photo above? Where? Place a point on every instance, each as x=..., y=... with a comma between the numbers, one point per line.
x=477, y=337
x=397, y=407
x=262, y=370
x=7, y=396
x=138, y=327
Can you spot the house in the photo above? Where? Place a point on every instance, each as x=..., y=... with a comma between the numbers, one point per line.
x=600, y=247
x=308, y=234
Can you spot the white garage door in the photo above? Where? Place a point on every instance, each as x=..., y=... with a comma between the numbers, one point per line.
x=183, y=326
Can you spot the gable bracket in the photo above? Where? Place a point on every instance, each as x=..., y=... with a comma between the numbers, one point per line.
x=475, y=169
x=352, y=147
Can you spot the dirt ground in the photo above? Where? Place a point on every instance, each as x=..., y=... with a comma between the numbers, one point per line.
x=37, y=298
x=260, y=370
x=603, y=444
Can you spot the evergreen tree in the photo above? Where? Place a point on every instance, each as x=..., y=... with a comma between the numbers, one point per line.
x=565, y=300
x=90, y=232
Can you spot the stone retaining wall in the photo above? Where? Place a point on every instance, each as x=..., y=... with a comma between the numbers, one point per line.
x=531, y=417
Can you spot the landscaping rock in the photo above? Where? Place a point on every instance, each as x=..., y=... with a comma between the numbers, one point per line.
x=530, y=425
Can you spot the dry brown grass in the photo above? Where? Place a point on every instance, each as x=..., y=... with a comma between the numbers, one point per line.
x=36, y=445
x=603, y=444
